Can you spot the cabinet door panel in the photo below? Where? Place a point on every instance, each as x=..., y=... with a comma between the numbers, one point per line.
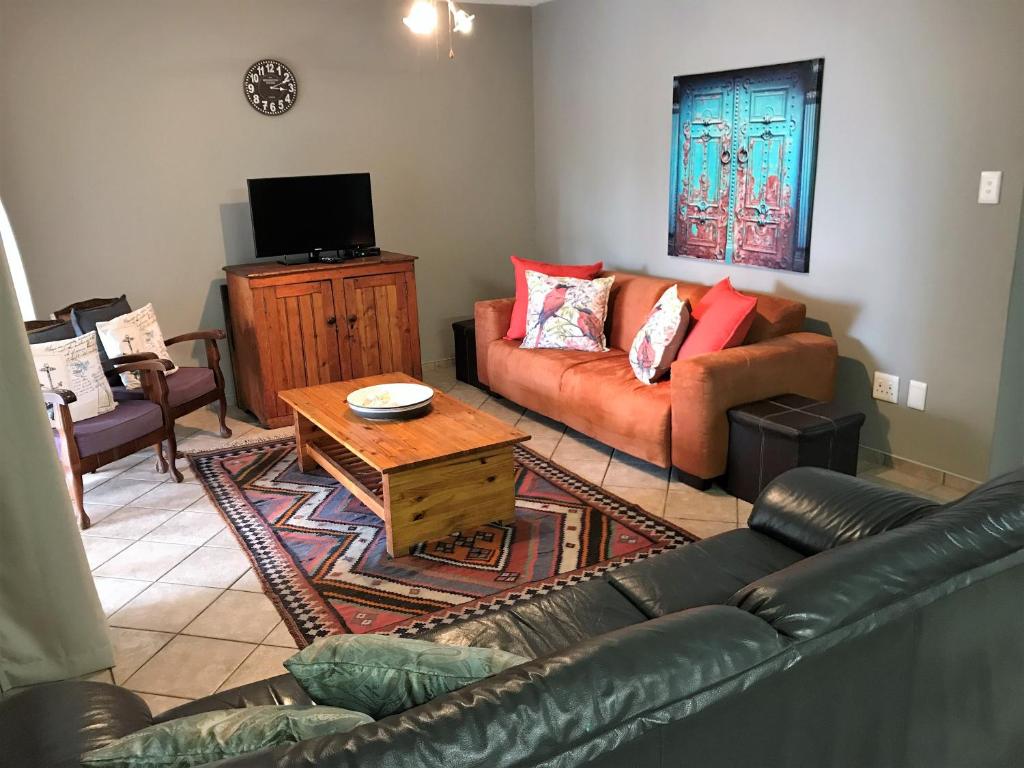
x=304, y=347
x=378, y=325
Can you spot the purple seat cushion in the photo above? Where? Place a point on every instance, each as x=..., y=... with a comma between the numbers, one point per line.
x=182, y=386
x=130, y=420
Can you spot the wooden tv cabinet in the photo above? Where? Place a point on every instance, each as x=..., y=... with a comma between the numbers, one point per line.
x=298, y=325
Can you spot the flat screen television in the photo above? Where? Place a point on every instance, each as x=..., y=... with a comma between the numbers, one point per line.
x=309, y=214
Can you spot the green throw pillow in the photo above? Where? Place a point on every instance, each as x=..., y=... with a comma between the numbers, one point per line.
x=381, y=675
x=211, y=736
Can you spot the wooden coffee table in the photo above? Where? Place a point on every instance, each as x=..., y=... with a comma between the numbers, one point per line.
x=449, y=470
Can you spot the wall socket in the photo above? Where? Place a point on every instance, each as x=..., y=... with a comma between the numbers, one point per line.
x=916, y=395
x=886, y=387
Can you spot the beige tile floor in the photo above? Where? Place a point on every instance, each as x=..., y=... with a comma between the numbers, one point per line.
x=186, y=612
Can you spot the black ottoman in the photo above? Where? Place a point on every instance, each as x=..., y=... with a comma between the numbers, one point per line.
x=768, y=437
x=465, y=351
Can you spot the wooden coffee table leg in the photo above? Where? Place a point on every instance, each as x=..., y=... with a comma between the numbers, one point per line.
x=433, y=501
x=304, y=430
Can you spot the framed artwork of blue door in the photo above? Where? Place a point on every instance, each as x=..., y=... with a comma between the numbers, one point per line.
x=744, y=146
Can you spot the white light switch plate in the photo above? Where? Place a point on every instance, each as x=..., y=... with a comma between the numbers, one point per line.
x=988, y=190
x=916, y=395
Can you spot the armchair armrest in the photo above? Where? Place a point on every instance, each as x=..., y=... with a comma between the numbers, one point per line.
x=58, y=397
x=215, y=334
x=811, y=509
x=156, y=364
x=492, y=320
x=705, y=387
x=135, y=358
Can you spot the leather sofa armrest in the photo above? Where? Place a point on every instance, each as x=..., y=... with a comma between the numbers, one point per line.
x=705, y=387
x=492, y=319
x=811, y=510
x=283, y=689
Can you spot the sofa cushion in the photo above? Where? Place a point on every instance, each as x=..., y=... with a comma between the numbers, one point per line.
x=603, y=398
x=706, y=572
x=722, y=317
x=629, y=303
x=546, y=624
x=837, y=587
x=657, y=343
x=533, y=377
x=811, y=509
x=775, y=316
x=517, y=323
x=186, y=384
x=130, y=420
x=566, y=313
x=55, y=330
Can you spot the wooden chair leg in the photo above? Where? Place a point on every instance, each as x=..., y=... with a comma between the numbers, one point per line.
x=161, y=462
x=223, y=402
x=77, y=491
x=172, y=452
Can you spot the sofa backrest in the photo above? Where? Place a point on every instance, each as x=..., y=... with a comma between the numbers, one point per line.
x=951, y=546
x=633, y=296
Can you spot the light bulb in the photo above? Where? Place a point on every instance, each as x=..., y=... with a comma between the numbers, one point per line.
x=422, y=18
x=463, y=22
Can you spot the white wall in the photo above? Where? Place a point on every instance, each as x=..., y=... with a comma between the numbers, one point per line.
x=908, y=272
x=126, y=143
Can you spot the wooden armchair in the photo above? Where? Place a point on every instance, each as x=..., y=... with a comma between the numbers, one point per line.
x=89, y=444
x=191, y=387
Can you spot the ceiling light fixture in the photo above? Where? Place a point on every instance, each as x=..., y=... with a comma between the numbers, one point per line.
x=422, y=20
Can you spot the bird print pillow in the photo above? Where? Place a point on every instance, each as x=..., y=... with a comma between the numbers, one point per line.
x=74, y=364
x=131, y=334
x=566, y=312
x=657, y=342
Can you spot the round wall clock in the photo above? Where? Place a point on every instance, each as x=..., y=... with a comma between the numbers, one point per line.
x=270, y=87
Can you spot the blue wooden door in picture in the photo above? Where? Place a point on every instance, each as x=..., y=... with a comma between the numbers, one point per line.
x=742, y=173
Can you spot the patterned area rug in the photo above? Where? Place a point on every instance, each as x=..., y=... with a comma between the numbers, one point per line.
x=321, y=557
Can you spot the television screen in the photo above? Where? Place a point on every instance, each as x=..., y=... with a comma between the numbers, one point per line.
x=307, y=214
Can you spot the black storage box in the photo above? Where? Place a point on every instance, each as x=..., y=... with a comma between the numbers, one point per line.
x=465, y=352
x=768, y=437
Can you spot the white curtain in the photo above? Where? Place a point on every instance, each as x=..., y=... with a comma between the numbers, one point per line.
x=51, y=623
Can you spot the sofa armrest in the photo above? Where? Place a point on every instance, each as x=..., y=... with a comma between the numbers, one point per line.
x=492, y=320
x=705, y=387
x=811, y=510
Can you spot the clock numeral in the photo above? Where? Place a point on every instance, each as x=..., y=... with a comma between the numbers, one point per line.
x=264, y=105
x=254, y=77
x=288, y=98
x=256, y=98
x=251, y=87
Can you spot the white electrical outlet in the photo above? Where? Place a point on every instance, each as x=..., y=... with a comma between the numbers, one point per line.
x=887, y=387
x=916, y=395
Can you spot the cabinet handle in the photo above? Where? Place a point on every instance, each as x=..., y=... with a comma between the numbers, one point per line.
x=332, y=320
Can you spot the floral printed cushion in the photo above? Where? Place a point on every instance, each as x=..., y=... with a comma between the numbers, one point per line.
x=657, y=342
x=566, y=312
x=131, y=334
x=74, y=364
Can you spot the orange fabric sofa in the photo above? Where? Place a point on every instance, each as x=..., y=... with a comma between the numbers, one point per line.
x=679, y=422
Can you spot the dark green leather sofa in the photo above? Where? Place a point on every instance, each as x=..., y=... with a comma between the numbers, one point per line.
x=849, y=625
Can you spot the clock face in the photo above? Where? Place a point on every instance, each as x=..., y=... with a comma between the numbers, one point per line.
x=270, y=87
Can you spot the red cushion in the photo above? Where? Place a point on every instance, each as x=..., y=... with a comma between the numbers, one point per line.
x=517, y=327
x=722, y=319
